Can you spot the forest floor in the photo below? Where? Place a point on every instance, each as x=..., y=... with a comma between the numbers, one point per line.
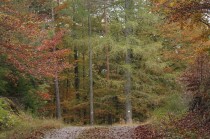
x=98, y=132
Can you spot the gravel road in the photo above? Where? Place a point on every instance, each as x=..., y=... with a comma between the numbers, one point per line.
x=106, y=132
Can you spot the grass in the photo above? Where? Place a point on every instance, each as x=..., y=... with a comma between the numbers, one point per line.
x=29, y=127
x=174, y=105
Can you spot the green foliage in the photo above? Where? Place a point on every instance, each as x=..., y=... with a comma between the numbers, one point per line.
x=24, y=88
x=8, y=118
x=3, y=82
x=4, y=70
x=28, y=90
x=154, y=91
x=172, y=104
x=16, y=124
x=151, y=85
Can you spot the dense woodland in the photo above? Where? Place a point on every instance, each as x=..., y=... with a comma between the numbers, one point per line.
x=105, y=62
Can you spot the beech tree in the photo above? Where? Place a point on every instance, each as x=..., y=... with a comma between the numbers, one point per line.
x=34, y=53
x=28, y=57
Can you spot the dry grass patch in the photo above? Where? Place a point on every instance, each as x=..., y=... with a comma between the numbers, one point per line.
x=28, y=127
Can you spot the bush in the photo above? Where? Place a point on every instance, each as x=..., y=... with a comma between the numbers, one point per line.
x=8, y=118
x=19, y=125
x=173, y=104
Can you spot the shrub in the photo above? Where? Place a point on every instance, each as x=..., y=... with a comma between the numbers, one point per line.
x=8, y=118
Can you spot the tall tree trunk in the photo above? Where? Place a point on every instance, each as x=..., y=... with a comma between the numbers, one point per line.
x=83, y=70
x=128, y=106
x=90, y=67
x=57, y=94
x=58, y=105
x=67, y=86
x=105, y=34
x=76, y=55
x=83, y=84
x=128, y=91
x=76, y=73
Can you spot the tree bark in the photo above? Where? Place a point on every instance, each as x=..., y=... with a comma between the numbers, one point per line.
x=105, y=34
x=57, y=94
x=83, y=70
x=76, y=74
x=128, y=106
x=90, y=68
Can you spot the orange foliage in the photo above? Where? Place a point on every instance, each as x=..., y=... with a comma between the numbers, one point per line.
x=39, y=61
x=185, y=27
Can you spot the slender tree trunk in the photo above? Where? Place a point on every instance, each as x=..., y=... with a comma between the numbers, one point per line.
x=83, y=84
x=76, y=73
x=107, y=50
x=107, y=64
x=76, y=56
x=67, y=86
x=58, y=105
x=83, y=70
x=105, y=34
x=57, y=94
x=90, y=68
x=128, y=105
x=128, y=91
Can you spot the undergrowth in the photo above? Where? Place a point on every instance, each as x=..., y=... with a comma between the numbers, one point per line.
x=19, y=125
x=174, y=104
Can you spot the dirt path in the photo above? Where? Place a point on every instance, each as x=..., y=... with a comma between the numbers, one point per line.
x=109, y=132
x=121, y=132
x=65, y=133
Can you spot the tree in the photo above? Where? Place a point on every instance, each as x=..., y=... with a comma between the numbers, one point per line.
x=29, y=48
x=187, y=22
x=109, y=95
x=196, y=80
x=90, y=66
x=35, y=52
x=57, y=93
x=187, y=31
x=128, y=105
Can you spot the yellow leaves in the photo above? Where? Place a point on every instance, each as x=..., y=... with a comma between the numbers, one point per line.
x=190, y=33
x=61, y=7
x=159, y=2
x=65, y=20
x=205, y=46
x=5, y=0
x=172, y=4
x=166, y=3
x=199, y=50
x=8, y=20
x=168, y=70
x=207, y=43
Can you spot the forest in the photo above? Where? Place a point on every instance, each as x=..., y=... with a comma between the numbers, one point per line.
x=104, y=69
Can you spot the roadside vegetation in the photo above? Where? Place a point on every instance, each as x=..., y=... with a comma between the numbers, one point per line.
x=16, y=124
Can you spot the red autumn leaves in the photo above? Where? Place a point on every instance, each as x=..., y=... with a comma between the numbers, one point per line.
x=28, y=47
